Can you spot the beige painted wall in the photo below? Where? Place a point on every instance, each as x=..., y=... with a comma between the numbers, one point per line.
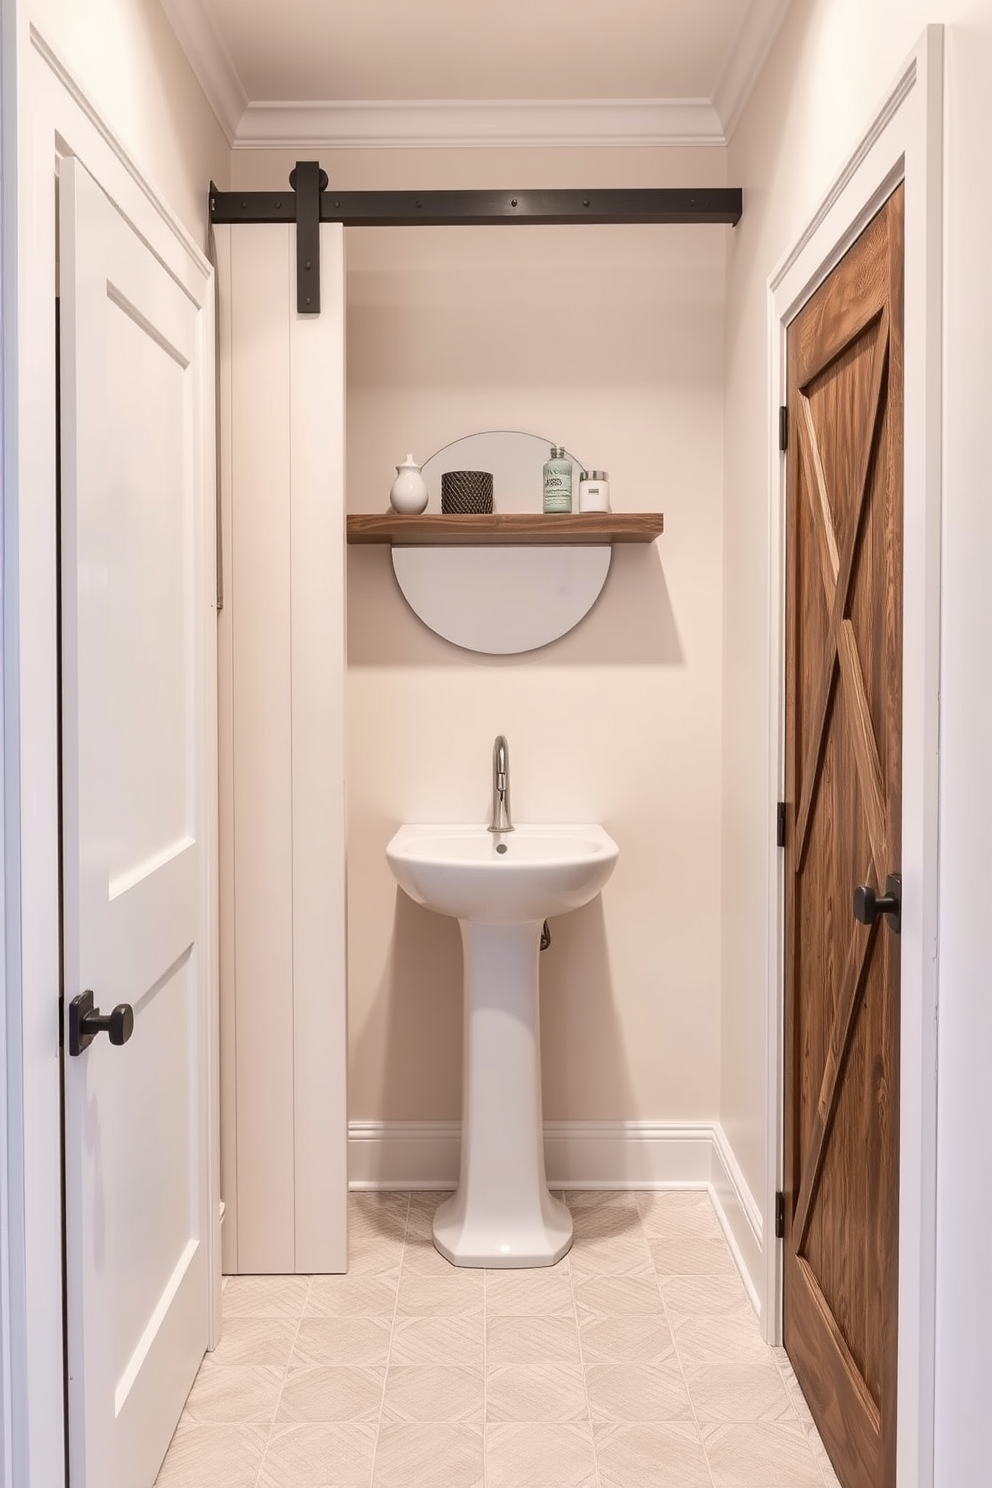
x=609, y=340
x=126, y=56
x=828, y=72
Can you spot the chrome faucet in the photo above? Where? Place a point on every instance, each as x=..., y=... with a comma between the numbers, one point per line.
x=500, y=820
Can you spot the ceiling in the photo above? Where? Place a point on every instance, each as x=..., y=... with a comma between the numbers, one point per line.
x=447, y=72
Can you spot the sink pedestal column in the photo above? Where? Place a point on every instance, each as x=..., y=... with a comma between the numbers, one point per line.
x=502, y=1213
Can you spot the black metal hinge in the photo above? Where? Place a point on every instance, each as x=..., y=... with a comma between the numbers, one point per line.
x=780, y=824
x=783, y=428
x=780, y=1216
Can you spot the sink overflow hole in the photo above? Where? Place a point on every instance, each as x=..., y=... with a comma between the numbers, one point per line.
x=501, y=847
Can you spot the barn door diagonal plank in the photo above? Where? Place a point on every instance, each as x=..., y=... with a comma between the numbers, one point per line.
x=836, y=574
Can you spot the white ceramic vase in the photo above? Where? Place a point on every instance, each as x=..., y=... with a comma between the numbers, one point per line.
x=408, y=493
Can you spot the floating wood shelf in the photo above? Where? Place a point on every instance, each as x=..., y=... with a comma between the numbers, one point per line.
x=434, y=529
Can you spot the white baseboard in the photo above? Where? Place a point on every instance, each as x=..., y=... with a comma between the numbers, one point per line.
x=739, y=1216
x=403, y=1154
x=580, y=1154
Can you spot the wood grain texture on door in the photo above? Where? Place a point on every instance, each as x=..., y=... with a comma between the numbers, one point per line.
x=843, y=801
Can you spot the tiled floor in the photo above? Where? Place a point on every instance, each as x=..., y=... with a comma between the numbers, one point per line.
x=636, y=1362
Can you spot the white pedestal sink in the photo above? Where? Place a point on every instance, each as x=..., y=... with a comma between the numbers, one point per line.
x=501, y=889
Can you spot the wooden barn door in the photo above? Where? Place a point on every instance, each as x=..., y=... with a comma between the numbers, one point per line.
x=843, y=794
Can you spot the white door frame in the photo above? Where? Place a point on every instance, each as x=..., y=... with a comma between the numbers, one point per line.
x=54, y=117
x=903, y=142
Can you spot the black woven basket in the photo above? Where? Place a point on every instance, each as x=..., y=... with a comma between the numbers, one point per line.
x=466, y=492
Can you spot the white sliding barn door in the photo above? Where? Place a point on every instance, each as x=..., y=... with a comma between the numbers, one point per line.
x=136, y=556
x=284, y=1054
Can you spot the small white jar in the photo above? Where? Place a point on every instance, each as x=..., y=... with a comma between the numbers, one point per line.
x=594, y=491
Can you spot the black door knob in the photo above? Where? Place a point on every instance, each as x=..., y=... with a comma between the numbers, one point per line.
x=868, y=905
x=86, y=1021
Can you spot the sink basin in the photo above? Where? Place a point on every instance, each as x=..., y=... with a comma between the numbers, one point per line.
x=500, y=888
x=527, y=874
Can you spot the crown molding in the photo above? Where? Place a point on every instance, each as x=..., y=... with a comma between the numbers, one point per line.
x=479, y=124
x=211, y=62
x=761, y=26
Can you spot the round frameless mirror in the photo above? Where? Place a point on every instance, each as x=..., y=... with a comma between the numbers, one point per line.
x=515, y=461
x=502, y=599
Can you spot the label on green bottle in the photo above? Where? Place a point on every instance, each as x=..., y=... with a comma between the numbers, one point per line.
x=558, y=486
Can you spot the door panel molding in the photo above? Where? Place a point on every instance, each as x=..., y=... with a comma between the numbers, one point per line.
x=55, y=118
x=902, y=142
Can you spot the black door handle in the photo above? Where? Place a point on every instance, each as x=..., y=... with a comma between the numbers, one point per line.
x=868, y=905
x=86, y=1021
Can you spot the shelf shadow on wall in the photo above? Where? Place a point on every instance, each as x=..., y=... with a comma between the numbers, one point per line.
x=632, y=623
x=414, y=1030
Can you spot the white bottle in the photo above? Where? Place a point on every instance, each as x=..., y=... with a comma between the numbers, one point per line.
x=408, y=493
x=594, y=491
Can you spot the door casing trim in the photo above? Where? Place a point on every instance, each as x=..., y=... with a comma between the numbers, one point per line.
x=902, y=143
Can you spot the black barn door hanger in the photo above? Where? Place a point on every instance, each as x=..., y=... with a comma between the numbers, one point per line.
x=308, y=203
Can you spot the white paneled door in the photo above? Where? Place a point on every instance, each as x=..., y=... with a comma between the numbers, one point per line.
x=136, y=839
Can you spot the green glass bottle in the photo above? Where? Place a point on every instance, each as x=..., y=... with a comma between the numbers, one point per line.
x=557, y=482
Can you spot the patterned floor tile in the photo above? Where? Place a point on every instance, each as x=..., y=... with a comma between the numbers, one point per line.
x=618, y=1295
x=523, y=1293
x=652, y=1456
x=776, y=1456
x=434, y=1392
x=420, y=1255
x=235, y=1394
x=255, y=1341
x=223, y=1456
x=364, y=1295
x=440, y=1296
x=606, y=1222
x=626, y=1340
x=444, y=1340
x=543, y=1391
x=265, y=1296
x=673, y=1198
x=423, y=1206
x=527, y=1340
x=706, y=1296
x=691, y=1256
x=665, y=1218
x=540, y=1456
x=611, y=1255
x=578, y=1199
x=378, y=1214
x=718, y=1340
x=428, y=1456
x=331, y=1392
x=742, y=1391
x=347, y=1340
x=318, y=1457
x=409, y=1372
x=637, y=1392
x=371, y=1255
